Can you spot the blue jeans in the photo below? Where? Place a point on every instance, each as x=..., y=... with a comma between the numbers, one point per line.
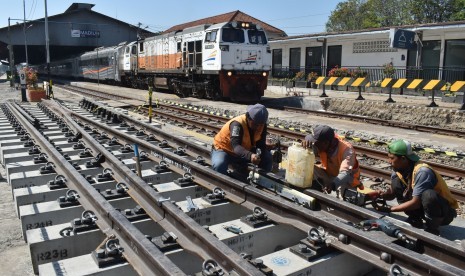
x=221, y=161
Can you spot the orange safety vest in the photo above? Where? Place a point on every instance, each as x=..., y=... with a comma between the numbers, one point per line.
x=332, y=165
x=222, y=139
x=441, y=187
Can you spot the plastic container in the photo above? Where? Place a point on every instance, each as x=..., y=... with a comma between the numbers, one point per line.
x=300, y=164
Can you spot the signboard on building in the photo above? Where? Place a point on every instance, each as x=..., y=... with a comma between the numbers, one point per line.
x=22, y=78
x=85, y=33
x=402, y=39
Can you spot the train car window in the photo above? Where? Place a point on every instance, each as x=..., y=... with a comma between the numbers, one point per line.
x=141, y=47
x=256, y=37
x=233, y=35
x=211, y=36
x=190, y=46
x=134, y=50
x=127, y=50
x=178, y=47
x=198, y=46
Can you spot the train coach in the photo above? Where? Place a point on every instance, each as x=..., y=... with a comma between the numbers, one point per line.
x=228, y=60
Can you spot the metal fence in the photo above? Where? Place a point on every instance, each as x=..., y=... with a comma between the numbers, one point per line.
x=449, y=74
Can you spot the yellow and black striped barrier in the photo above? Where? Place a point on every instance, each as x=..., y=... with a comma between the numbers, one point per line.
x=401, y=83
x=343, y=81
x=431, y=85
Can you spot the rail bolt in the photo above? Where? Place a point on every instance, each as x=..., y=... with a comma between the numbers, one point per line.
x=386, y=257
x=343, y=238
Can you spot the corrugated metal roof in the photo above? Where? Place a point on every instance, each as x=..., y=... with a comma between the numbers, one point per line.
x=227, y=17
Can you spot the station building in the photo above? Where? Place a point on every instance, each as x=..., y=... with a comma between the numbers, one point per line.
x=75, y=31
x=439, y=52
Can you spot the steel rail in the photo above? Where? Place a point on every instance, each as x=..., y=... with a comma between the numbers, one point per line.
x=421, y=263
x=443, y=169
x=145, y=257
x=367, y=170
x=162, y=210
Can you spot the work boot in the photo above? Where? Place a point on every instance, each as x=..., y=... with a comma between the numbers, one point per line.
x=432, y=225
x=415, y=222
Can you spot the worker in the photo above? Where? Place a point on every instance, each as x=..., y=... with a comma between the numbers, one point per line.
x=339, y=167
x=239, y=139
x=420, y=191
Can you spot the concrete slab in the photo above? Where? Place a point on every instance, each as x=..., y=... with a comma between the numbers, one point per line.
x=34, y=178
x=255, y=241
x=7, y=134
x=38, y=194
x=178, y=193
x=50, y=213
x=284, y=262
x=48, y=245
x=208, y=214
x=75, y=267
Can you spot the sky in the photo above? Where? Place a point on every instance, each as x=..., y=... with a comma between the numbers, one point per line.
x=295, y=17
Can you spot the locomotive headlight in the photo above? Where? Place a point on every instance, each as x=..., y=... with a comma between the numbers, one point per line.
x=247, y=25
x=264, y=74
x=243, y=24
x=224, y=48
x=229, y=73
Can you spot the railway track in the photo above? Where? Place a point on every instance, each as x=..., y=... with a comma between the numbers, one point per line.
x=297, y=224
x=215, y=121
x=210, y=122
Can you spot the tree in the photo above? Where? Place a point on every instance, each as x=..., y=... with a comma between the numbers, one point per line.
x=346, y=17
x=389, y=12
x=432, y=11
x=459, y=12
x=362, y=14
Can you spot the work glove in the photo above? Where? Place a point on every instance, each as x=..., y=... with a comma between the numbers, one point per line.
x=307, y=144
x=381, y=208
x=328, y=188
x=255, y=159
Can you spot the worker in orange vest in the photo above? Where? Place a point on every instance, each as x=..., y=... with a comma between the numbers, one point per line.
x=339, y=167
x=242, y=140
x=420, y=191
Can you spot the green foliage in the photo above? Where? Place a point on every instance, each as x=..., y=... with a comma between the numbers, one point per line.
x=363, y=14
x=31, y=77
x=389, y=70
x=339, y=72
x=299, y=76
x=348, y=15
x=376, y=83
x=358, y=73
x=312, y=76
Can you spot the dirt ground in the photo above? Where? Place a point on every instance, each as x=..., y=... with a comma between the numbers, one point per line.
x=402, y=112
x=14, y=251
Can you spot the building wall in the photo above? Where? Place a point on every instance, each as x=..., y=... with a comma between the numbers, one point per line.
x=369, y=58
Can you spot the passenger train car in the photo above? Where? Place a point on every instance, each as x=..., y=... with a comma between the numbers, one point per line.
x=227, y=60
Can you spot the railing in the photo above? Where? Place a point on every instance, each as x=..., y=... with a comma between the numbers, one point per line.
x=376, y=73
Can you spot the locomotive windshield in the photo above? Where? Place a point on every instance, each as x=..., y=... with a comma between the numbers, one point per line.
x=211, y=36
x=256, y=37
x=233, y=35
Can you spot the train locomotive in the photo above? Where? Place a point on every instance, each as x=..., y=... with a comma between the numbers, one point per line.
x=228, y=60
